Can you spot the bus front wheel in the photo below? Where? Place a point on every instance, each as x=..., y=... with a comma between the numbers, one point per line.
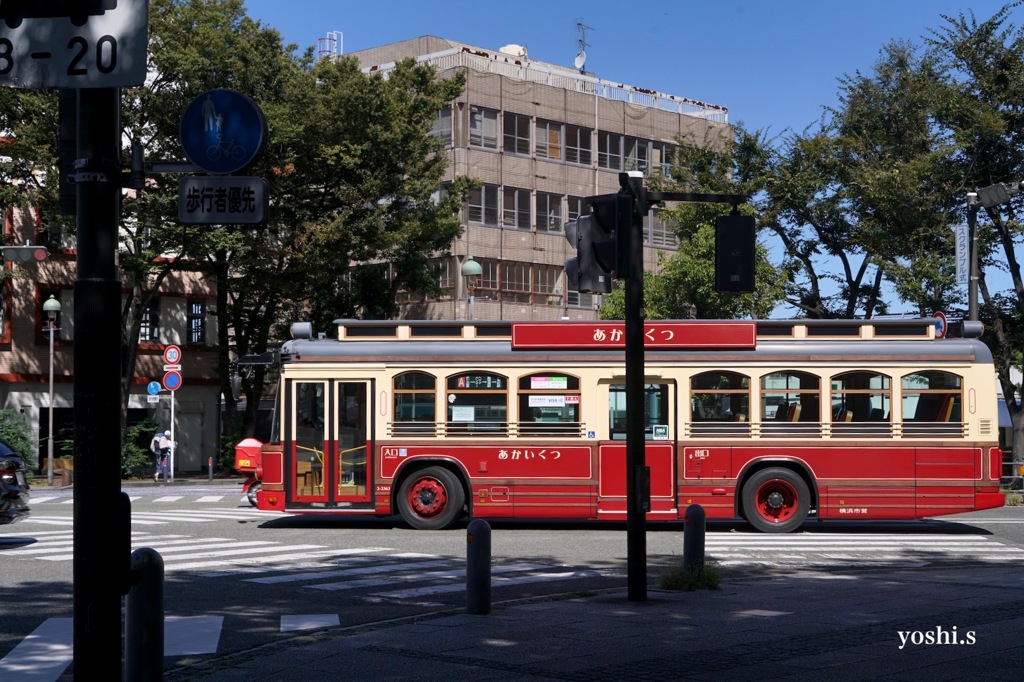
x=776, y=500
x=431, y=499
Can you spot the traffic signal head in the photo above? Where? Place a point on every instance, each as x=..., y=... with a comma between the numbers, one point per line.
x=584, y=273
x=613, y=229
x=25, y=253
x=735, y=242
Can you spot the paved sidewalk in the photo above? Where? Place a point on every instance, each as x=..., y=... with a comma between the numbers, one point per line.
x=963, y=623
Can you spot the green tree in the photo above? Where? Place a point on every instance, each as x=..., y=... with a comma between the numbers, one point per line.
x=15, y=431
x=865, y=198
x=983, y=65
x=351, y=169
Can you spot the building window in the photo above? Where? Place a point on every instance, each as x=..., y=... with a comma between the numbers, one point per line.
x=516, y=208
x=545, y=281
x=659, y=233
x=515, y=282
x=578, y=145
x=483, y=128
x=549, y=212
x=442, y=128
x=609, y=151
x=446, y=277
x=517, y=134
x=576, y=206
x=662, y=158
x=637, y=154
x=486, y=285
x=197, y=322
x=549, y=140
x=483, y=205
x=150, y=328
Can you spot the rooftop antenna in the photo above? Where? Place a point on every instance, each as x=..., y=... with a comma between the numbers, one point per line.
x=581, y=56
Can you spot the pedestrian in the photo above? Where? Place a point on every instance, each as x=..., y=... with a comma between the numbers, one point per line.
x=154, y=447
x=163, y=456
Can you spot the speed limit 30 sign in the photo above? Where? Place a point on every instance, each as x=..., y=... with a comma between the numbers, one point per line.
x=73, y=43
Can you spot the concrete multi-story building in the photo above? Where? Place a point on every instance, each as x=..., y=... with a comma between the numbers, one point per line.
x=540, y=138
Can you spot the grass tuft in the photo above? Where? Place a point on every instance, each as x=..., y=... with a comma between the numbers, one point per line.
x=705, y=577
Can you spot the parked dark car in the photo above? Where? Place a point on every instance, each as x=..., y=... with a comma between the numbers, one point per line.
x=13, y=486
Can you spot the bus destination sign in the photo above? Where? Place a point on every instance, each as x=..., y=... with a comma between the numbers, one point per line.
x=612, y=335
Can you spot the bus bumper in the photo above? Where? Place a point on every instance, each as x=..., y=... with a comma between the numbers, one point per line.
x=989, y=500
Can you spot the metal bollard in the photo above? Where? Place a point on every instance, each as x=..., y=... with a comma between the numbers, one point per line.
x=478, y=568
x=209, y=468
x=694, y=526
x=144, y=618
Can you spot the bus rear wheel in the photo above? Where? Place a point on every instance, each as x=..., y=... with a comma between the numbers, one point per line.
x=776, y=500
x=431, y=499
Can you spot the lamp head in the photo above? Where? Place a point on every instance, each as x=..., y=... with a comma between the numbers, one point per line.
x=51, y=307
x=471, y=268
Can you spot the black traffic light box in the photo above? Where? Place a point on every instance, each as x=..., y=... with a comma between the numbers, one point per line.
x=584, y=273
x=611, y=239
x=25, y=253
x=735, y=242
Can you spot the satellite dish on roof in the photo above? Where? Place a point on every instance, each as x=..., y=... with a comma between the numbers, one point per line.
x=581, y=59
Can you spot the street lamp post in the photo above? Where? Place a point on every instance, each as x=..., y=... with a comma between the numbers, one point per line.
x=471, y=270
x=51, y=307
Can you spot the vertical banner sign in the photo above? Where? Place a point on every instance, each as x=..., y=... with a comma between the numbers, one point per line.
x=963, y=254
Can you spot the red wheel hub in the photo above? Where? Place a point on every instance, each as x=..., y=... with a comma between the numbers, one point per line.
x=428, y=497
x=777, y=500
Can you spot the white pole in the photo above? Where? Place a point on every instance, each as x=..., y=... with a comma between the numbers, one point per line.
x=49, y=438
x=170, y=475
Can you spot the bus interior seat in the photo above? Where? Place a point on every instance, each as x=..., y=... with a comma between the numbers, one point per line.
x=793, y=413
x=945, y=410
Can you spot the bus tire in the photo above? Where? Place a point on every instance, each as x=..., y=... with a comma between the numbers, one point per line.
x=431, y=499
x=250, y=494
x=776, y=500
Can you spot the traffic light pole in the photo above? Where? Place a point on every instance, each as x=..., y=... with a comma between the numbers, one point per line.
x=102, y=520
x=638, y=475
x=638, y=498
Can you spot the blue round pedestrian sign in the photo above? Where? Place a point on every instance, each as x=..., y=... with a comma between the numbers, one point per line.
x=153, y=387
x=223, y=131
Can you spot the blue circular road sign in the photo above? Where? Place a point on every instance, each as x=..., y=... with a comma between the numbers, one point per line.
x=172, y=381
x=153, y=387
x=223, y=131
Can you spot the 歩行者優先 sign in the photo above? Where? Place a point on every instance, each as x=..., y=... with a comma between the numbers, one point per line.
x=222, y=200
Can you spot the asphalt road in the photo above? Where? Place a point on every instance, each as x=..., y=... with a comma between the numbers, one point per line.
x=247, y=578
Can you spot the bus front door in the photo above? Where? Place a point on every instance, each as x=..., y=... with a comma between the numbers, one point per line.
x=328, y=463
x=349, y=477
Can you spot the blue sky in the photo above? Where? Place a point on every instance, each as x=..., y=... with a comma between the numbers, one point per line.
x=774, y=63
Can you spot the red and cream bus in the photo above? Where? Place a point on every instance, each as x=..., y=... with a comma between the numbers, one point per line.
x=771, y=421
